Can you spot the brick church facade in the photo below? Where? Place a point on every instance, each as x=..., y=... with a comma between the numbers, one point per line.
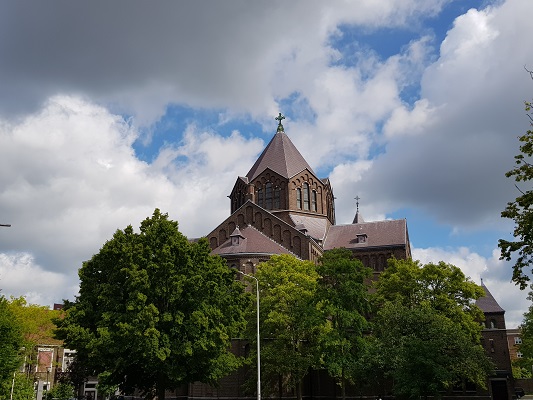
x=282, y=207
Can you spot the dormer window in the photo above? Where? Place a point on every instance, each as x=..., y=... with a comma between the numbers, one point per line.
x=362, y=238
x=236, y=237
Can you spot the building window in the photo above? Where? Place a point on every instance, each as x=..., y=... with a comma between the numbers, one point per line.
x=276, y=198
x=268, y=196
x=306, y=196
x=260, y=202
x=299, y=198
x=492, y=324
x=491, y=344
x=517, y=340
x=313, y=200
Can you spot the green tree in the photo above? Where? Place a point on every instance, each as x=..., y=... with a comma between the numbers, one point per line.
x=60, y=391
x=427, y=329
x=155, y=311
x=11, y=341
x=291, y=323
x=343, y=299
x=521, y=209
x=526, y=347
x=442, y=286
x=426, y=352
x=22, y=388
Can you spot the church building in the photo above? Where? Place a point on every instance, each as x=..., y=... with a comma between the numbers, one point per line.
x=282, y=207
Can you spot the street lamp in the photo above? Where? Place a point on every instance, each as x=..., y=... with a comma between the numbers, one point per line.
x=258, y=341
x=48, y=370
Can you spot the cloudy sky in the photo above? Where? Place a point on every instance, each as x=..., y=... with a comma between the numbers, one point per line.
x=111, y=109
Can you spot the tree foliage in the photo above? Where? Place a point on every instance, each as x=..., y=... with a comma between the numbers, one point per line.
x=526, y=334
x=291, y=323
x=155, y=311
x=427, y=329
x=521, y=209
x=11, y=341
x=343, y=300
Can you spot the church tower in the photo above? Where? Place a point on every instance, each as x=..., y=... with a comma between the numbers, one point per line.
x=282, y=182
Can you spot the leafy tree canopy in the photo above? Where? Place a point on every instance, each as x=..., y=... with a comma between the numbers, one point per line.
x=289, y=319
x=427, y=328
x=424, y=352
x=441, y=286
x=155, y=311
x=343, y=299
x=526, y=334
x=11, y=341
x=521, y=209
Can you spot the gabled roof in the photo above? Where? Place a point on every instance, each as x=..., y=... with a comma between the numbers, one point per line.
x=251, y=241
x=487, y=303
x=378, y=233
x=315, y=227
x=281, y=156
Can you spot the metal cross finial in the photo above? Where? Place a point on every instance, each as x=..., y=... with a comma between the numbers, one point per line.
x=279, y=118
x=357, y=198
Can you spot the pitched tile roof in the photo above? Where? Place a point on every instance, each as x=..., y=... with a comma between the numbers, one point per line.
x=487, y=303
x=378, y=233
x=316, y=227
x=251, y=241
x=281, y=156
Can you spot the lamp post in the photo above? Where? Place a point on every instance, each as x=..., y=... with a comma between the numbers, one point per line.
x=48, y=370
x=258, y=337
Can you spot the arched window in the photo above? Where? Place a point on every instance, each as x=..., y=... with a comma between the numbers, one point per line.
x=276, y=198
x=299, y=198
x=260, y=202
x=313, y=200
x=306, y=196
x=268, y=196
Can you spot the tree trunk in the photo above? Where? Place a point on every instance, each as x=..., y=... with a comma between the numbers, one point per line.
x=343, y=384
x=160, y=391
x=299, y=390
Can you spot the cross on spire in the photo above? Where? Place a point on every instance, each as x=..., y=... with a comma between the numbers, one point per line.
x=279, y=118
x=357, y=198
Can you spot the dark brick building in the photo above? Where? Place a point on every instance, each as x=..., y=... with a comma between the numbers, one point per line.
x=281, y=207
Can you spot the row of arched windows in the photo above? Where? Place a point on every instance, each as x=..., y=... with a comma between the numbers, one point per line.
x=270, y=197
x=306, y=199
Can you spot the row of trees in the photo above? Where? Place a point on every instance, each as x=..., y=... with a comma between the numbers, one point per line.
x=156, y=311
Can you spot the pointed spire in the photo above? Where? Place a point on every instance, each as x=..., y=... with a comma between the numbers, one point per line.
x=357, y=219
x=488, y=303
x=280, y=155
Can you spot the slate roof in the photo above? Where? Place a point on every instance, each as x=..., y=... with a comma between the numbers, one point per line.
x=378, y=233
x=251, y=241
x=316, y=227
x=281, y=156
x=487, y=303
